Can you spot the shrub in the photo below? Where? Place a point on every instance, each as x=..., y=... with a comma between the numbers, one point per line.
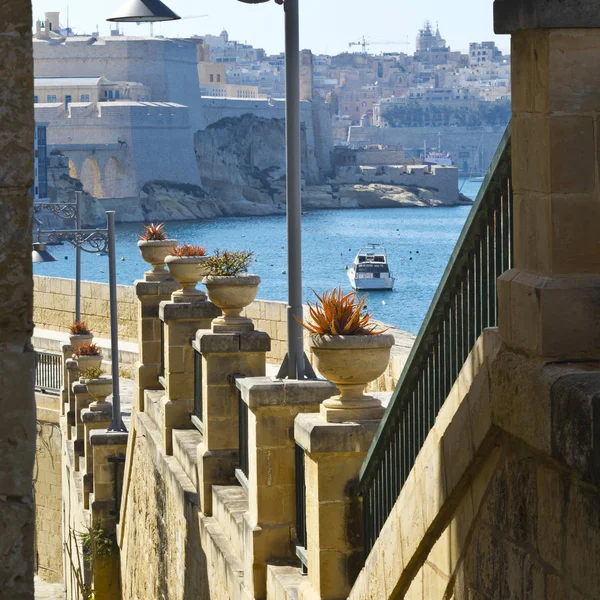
x=339, y=314
x=79, y=328
x=92, y=373
x=187, y=250
x=87, y=350
x=153, y=232
x=228, y=264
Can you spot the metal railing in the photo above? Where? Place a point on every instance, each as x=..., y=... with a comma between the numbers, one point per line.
x=243, y=471
x=197, y=414
x=464, y=305
x=48, y=373
x=161, y=372
x=301, y=534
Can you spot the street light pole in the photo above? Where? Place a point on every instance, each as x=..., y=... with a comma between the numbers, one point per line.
x=78, y=259
x=295, y=358
x=116, y=423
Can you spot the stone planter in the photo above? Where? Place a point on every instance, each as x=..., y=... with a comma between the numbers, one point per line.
x=232, y=295
x=155, y=252
x=351, y=362
x=87, y=362
x=99, y=388
x=187, y=271
x=79, y=339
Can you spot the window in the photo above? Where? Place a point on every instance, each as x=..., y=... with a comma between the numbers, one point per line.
x=35, y=99
x=84, y=98
x=110, y=94
x=68, y=99
x=51, y=98
x=212, y=78
x=117, y=94
x=218, y=79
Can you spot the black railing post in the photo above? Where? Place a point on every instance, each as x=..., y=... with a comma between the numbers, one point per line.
x=301, y=532
x=243, y=472
x=198, y=399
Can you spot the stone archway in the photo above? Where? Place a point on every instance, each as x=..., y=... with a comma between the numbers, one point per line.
x=72, y=169
x=91, y=178
x=113, y=178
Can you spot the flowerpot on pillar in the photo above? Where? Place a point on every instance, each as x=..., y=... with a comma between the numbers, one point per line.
x=154, y=252
x=79, y=340
x=232, y=294
x=187, y=271
x=99, y=388
x=88, y=362
x=351, y=362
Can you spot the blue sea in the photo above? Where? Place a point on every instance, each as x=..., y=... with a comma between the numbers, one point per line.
x=419, y=242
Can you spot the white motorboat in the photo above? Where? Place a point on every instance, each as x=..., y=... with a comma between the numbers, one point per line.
x=370, y=270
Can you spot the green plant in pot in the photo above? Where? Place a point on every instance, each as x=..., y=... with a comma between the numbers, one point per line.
x=231, y=289
x=99, y=387
x=187, y=264
x=80, y=334
x=350, y=351
x=154, y=247
x=87, y=355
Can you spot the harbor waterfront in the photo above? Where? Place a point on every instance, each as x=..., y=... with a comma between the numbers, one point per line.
x=418, y=241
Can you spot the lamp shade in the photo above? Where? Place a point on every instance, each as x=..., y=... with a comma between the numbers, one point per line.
x=253, y=1
x=143, y=11
x=39, y=253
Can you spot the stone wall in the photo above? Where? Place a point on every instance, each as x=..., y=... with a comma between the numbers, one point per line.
x=17, y=426
x=54, y=306
x=48, y=491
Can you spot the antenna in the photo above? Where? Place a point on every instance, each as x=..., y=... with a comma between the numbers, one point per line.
x=68, y=21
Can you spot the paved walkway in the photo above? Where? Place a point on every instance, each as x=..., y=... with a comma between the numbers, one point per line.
x=49, y=591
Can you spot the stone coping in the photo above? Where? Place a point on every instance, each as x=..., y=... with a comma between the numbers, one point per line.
x=225, y=343
x=96, y=416
x=108, y=438
x=155, y=288
x=314, y=434
x=171, y=311
x=269, y=391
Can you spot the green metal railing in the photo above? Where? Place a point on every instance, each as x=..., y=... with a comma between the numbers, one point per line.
x=464, y=305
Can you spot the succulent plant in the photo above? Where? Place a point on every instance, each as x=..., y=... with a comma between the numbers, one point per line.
x=92, y=373
x=228, y=264
x=339, y=314
x=187, y=250
x=87, y=350
x=153, y=232
x=79, y=328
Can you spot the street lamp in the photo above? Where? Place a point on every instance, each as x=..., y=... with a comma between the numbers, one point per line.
x=295, y=364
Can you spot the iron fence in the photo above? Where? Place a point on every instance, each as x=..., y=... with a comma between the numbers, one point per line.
x=48, y=373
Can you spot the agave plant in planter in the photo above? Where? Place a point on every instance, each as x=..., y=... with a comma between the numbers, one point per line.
x=154, y=248
x=231, y=289
x=87, y=355
x=80, y=334
x=187, y=266
x=99, y=387
x=350, y=351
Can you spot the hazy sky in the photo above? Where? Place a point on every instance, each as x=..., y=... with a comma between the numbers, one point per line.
x=327, y=26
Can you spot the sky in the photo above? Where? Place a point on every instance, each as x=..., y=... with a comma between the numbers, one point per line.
x=326, y=26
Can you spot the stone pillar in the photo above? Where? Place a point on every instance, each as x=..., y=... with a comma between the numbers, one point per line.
x=17, y=359
x=550, y=301
x=272, y=408
x=150, y=294
x=224, y=356
x=181, y=322
x=334, y=454
x=93, y=420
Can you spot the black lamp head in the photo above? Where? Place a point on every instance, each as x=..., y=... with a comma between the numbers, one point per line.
x=143, y=11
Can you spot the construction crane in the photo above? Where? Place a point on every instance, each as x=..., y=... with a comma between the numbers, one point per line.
x=365, y=44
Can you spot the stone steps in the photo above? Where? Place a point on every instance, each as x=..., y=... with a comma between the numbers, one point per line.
x=230, y=504
x=185, y=450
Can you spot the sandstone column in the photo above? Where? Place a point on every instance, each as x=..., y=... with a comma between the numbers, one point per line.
x=17, y=426
x=550, y=301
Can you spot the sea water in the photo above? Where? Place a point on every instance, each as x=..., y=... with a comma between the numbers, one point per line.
x=419, y=242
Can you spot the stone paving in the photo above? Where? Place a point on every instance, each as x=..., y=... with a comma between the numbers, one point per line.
x=49, y=591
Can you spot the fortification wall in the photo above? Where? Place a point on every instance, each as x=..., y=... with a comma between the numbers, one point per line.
x=472, y=148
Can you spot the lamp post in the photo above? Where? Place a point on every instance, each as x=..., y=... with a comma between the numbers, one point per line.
x=94, y=241
x=295, y=364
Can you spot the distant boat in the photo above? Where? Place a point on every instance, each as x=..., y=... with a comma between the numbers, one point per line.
x=370, y=270
x=476, y=178
x=443, y=159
